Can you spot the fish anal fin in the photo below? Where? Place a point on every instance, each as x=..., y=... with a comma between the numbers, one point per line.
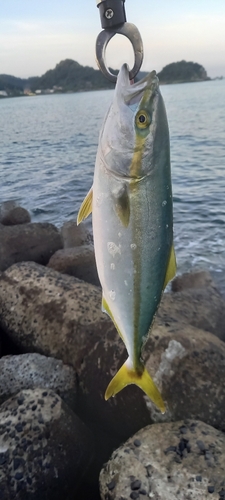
x=171, y=268
x=126, y=376
x=86, y=207
x=122, y=206
x=106, y=309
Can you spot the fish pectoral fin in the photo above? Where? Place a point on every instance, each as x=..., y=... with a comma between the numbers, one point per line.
x=86, y=207
x=171, y=268
x=142, y=379
x=122, y=206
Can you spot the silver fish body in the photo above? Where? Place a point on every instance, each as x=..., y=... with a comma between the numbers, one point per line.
x=132, y=219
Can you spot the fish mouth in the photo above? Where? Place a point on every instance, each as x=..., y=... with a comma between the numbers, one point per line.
x=132, y=93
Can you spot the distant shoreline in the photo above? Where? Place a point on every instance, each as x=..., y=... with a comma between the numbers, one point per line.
x=176, y=82
x=71, y=77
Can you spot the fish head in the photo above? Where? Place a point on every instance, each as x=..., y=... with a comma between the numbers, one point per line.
x=135, y=127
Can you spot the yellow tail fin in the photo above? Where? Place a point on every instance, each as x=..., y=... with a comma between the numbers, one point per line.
x=126, y=376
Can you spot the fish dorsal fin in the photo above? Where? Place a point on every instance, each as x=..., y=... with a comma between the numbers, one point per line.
x=122, y=206
x=86, y=207
x=171, y=268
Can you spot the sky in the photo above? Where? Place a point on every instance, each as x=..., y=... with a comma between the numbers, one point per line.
x=36, y=35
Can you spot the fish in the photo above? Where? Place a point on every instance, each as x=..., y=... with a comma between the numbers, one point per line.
x=132, y=217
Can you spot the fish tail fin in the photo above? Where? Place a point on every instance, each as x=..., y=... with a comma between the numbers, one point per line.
x=128, y=375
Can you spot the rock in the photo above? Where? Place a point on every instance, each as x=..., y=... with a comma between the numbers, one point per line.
x=168, y=463
x=58, y=315
x=28, y=242
x=45, y=449
x=190, y=368
x=51, y=313
x=202, y=308
x=78, y=262
x=74, y=235
x=6, y=206
x=28, y=371
x=187, y=364
x=193, y=279
x=14, y=216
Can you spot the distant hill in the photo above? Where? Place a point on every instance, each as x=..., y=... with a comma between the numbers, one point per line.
x=70, y=76
x=12, y=84
x=67, y=76
x=181, y=72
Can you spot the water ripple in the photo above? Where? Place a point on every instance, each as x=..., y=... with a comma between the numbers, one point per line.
x=48, y=149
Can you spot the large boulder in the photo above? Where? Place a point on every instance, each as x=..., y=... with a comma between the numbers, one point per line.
x=74, y=235
x=184, y=459
x=203, y=308
x=11, y=214
x=44, y=311
x=187, y=364
x=58, y=315
x=6, y=206
x=45, y=449
x=78, y=262
x=28, y=242
x=193, y=279
x=28, y=371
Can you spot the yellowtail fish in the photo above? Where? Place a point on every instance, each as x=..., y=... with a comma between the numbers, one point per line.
x=131, y=204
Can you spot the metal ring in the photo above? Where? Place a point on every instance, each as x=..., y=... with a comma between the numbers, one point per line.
x=131, y=32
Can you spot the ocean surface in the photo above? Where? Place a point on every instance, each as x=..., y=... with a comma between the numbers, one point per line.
x=47, y=154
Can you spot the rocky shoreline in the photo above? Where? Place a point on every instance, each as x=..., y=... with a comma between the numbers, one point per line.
x=58, y=353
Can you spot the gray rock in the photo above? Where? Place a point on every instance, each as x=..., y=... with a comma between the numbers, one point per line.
x=165, y=462
x=187, y=364
x=45, y=449
x=190, y=369
x=58, y=315
x=74, y=235
x=7, y=206
x=78, y=262
x=193, y=279
x=203, y=308
x=51, y=313
x=28, y=242
x=17, y=215
x=191, y=383
x=28, y=371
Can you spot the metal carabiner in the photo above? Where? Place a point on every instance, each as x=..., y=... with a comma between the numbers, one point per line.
x=131, y=32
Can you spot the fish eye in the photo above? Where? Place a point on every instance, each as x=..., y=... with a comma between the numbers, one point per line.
x=142, y=119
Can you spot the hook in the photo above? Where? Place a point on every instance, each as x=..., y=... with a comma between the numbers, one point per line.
x=131, y=32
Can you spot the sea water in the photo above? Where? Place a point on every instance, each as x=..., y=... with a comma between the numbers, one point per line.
x=47, y=154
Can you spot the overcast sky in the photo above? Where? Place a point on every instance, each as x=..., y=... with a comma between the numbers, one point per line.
x=36, y=35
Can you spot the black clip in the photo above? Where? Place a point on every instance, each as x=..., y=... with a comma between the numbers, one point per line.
x=113, y=21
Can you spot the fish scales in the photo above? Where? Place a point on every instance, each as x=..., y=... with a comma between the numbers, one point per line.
x=132, y=219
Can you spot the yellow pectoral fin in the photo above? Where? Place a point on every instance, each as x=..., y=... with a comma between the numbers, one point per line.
x=126, y=376
x=171, y=268
x=86, y=207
